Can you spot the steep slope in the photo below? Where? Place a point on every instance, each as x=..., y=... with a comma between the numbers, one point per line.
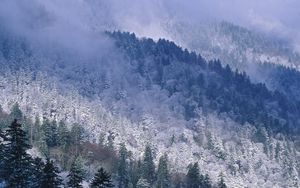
x=264, y=58
x=154, y=92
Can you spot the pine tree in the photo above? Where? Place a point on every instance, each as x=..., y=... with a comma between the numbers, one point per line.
x=101, y=179
x=17, y=161
x=163, y=176
x=50, y=177
x=15, y=112
x=75, y=176
x=206, y=183
x=143, y=183
x=36, y=173
x=123, y=176
x=148, y=166
x=64, y=135
x=193, y=176
x=221, y=183
x=2, y=154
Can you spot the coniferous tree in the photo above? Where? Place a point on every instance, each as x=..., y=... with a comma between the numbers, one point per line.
x=15, y=112
x=36, y=173
x=50, y=178
x=193, y=176
x=17, y=161
x=135, y=172
x=2, y=154
x=123, y=176
x=101, y=179
x=163, y=176
x=143, y=183
x=64, y=135
x=221, y=183
x=75, y=175
x=206, y=183
x=148, y=166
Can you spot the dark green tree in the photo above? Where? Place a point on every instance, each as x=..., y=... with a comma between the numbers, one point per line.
x=193, y=176
x=163, y=175
x=123, y=176
x=17, y=161
x=50, y=178
x=148, y=166
x=15, y=112
x=101, y=179
x=36, y=173
x=206, y=182
x=75, y=175
x=2, y=154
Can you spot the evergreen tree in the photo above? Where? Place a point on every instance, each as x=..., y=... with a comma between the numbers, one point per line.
x=51, y=133
x=76, y=175
x=221, y=183
x=206, y=183
x=2, y=154
x=123, y=176
x=15, y=112
x=64, y=135
x=101, y=179
x=36, y=173
x=193, y=176
x=50, y=177
x=148, y=166
x=76, y=136
x=163, y=176
x=17, y=161
x=143, y=183
x=135, y=172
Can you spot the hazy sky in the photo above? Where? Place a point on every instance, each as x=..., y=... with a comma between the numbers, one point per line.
x=58, y=17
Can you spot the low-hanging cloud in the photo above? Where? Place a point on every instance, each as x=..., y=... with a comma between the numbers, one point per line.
x=77, y=23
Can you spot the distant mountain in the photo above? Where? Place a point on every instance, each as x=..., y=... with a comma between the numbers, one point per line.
x=264, y=58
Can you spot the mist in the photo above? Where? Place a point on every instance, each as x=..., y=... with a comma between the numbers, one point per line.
x=77, y=25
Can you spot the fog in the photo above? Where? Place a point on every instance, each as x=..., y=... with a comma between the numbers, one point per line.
x=77, y=24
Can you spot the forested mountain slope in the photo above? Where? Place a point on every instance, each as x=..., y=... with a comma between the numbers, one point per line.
x=143, y=91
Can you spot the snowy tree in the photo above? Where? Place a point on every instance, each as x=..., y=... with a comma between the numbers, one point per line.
x=51, y=178
x=163, y=176
x=143, y=183
x=101, y=179
x=123, y=176
x=148, y=166
x=221, y=183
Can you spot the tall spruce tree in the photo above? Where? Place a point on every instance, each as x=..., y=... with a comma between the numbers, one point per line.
x=15, y=112
x=193, y=176
x=101, y=179
x=163, y=176
x=36, y=173
x=76, y=175
x=2, y=154
x=221, y=183
x=148, y=166
x=17, y=161
x=50, y=178
x=123, y=176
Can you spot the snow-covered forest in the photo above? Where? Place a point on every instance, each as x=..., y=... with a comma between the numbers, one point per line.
x=92, y=102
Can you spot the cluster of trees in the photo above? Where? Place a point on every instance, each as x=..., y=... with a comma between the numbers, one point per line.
x=209, y=85
x=20, y=169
